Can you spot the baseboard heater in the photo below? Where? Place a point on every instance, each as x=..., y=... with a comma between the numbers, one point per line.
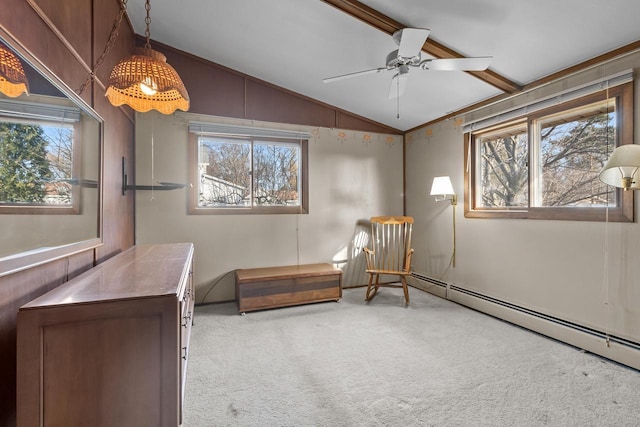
x=593, y=332
x=431, y=280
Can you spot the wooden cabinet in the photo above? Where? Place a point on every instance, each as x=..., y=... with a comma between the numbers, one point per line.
x=261, y=288
x=109, y=347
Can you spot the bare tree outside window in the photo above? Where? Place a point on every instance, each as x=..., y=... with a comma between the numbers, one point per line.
x=574, y=148
x=504, y=172
x=225, y=179
x=246, y=173
x=546, y=165
x=276, y=174
x=60, y=156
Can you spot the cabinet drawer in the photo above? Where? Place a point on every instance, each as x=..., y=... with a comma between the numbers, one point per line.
x=186, y=321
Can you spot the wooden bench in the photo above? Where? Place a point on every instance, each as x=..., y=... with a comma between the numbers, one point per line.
x=271, y=287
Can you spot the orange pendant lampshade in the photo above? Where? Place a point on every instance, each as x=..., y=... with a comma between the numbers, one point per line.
x=146, y=82
x=13, y=80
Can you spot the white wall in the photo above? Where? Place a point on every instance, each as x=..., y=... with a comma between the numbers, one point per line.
x=553, y=267
x=352, y=176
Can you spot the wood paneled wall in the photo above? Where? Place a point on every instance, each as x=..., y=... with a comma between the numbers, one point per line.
x=68, y=37
x=219, y=91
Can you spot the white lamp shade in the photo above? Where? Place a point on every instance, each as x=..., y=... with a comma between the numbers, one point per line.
x=623, y=167
x=441, y=186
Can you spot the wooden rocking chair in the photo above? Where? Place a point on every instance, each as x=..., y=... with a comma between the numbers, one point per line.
x=390, y=252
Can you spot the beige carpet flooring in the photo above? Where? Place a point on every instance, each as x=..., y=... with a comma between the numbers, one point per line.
x=380, y=364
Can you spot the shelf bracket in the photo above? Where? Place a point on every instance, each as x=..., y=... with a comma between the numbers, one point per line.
x=161, y=186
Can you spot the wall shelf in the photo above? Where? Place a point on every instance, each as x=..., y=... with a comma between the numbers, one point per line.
x=160, y=186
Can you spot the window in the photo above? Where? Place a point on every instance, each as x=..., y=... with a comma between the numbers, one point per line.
x=545, y=165
x=36, y=166
x=502, y=173
x=248, y=174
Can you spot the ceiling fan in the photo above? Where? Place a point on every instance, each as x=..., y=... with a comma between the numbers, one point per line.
x=410, y=42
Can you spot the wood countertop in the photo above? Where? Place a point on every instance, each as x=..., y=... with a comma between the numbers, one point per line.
x=139, y=272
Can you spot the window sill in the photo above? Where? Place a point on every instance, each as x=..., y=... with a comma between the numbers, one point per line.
x=249, y=211
x=615, y=214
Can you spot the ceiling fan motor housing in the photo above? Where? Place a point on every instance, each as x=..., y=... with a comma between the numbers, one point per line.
x=394, y=60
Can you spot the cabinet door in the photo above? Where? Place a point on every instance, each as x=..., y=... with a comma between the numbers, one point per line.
x=100, y=365
x=96, y=375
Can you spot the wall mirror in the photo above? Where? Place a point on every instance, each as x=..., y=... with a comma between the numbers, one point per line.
x=50, y=150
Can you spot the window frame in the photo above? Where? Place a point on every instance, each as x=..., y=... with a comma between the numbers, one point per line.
x=194, y=174
x=49, y=208
x=623, y=211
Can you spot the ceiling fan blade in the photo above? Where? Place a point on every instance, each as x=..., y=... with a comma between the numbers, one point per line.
x=463, y=64
x=398, y=84
x=348, y=76
x=410, y=41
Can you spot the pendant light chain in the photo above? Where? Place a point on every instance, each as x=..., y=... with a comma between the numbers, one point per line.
x=110, y=42
x=147, y=21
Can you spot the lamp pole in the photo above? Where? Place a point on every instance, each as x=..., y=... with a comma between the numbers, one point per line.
x=454, y=203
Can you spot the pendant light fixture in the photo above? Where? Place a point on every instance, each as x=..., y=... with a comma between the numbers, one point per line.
x=146, y=82
x=13, y=80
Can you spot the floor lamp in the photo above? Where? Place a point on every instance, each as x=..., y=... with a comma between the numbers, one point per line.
x=443, y=190
x=622, y=170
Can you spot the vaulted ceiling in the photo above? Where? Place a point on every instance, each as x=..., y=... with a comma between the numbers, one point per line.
x=295, y=44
